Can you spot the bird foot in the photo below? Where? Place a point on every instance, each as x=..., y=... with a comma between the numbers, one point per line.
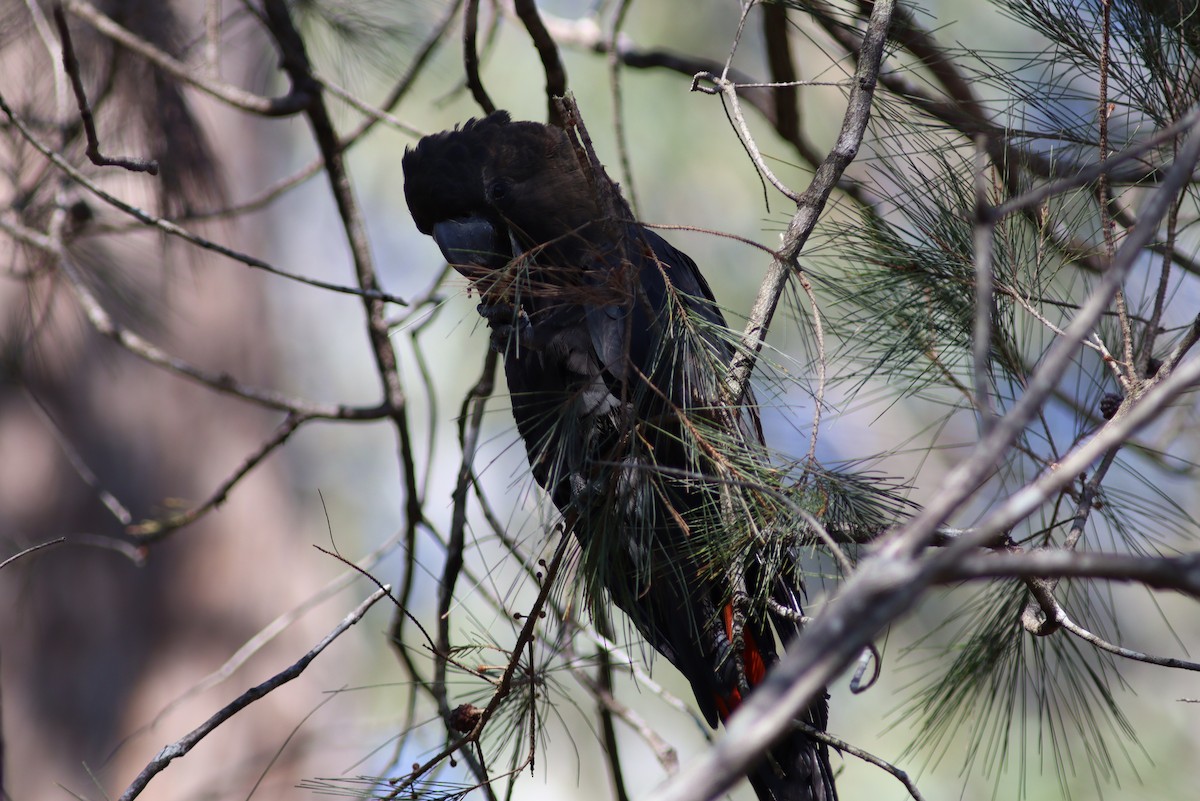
x=510, y=326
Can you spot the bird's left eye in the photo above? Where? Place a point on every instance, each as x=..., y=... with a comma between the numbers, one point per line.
x=498, y=189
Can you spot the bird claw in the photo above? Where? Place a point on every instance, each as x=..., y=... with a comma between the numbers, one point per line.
x=510, y=325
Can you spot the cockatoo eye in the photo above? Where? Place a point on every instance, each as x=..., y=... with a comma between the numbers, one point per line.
x=497, y=189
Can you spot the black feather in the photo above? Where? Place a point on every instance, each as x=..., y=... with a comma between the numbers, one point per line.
x=614, y=353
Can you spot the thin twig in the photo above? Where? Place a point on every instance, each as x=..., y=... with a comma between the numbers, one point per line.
x=602, y=689
x=1180, y=350
x=471, y=58
x=614, y=80
x=1150, y=336
x=728, y=92
x=547, y=50
x=819, y=530
x=476, y=401
x=110, y=501
x=944, y=68
x=212, y=39
x=356, y=103
x=1128, y=375
x=266, y=635
x=436, y=36
x=31, y=550
x=985, y=300
x=1036, y=196
x=1027, y=304
x=432, y=41
x=1043, y=589
x=296, y=64
x=810, y=205
x=865, y=756
x=747, y=7
x=154, y=530
x=644, y=679
x=869, y=657
x=184, y=745
x=822, y=365
x=1127, y=653
x=776, y=32
x=42, y=26
x=291, y=103
x=221, y=382
x=585, y=33
x=609, y=708
x=386, y=589
x=175, y=230
x=71, y=65
x=503, y=686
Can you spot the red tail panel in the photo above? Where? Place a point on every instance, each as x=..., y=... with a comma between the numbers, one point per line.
x=752, y=662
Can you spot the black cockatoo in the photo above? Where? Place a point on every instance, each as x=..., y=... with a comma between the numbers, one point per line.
x=615, y=353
